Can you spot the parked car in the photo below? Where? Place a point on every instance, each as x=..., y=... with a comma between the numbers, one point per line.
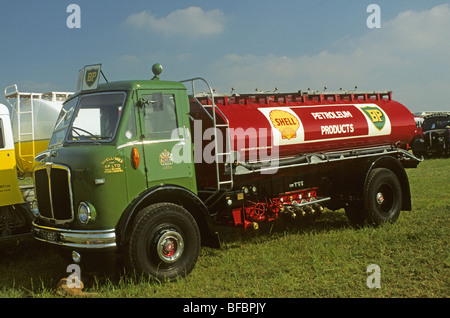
x=435, y=139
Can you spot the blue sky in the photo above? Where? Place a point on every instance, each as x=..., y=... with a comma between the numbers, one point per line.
x=245, y=44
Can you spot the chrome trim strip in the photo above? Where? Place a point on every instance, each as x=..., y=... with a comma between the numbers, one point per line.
x=148, y=142
x=75, y=238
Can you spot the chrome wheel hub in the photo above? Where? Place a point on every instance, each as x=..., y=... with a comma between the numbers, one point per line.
x=380, y=198
x=170, y=246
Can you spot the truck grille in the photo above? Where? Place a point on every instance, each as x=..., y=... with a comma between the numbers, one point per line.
x=54, y=192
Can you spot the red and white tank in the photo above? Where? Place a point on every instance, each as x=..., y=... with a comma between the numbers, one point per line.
x=313, y=123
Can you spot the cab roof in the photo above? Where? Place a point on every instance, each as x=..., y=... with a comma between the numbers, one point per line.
x=134, y=84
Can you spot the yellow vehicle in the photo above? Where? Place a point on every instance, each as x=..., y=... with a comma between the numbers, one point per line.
x=25, y=130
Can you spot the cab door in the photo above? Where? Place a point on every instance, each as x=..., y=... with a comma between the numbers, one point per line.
x=165, y=136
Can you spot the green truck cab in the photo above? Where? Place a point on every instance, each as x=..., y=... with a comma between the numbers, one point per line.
x=108, y=178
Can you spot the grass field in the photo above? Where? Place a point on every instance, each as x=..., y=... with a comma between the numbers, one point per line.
x=325, y=259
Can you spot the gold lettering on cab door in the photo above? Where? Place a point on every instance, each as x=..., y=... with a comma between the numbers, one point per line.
x=112, y=165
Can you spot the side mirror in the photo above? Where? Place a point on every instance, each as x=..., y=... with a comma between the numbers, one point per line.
x=157, y=102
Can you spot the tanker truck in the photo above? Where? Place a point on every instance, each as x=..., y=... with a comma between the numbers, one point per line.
x=150, y=169
x=25, y=130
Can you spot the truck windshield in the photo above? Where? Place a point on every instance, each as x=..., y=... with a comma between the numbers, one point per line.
x=89, y=118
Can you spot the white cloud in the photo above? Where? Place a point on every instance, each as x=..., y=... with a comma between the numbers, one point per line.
x=192, y=22
x=129, y=59
x=410, y=55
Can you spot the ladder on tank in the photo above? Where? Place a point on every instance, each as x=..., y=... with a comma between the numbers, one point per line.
x=225, y=180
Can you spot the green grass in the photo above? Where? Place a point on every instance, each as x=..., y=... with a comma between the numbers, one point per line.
x=326, y=259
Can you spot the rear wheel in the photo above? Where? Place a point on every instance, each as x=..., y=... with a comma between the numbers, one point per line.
x=165, y=242
x=383, y=196
x=382, y=200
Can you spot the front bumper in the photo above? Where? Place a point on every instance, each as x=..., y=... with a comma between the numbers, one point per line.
x=75, y=238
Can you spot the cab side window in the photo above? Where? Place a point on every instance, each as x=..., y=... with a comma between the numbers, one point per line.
x=160, y=117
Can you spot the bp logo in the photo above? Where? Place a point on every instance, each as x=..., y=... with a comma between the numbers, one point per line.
x=88, y=76
x=91, y=76
x=375, y=115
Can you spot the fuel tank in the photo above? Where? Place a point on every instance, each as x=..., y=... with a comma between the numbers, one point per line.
x=300, y=123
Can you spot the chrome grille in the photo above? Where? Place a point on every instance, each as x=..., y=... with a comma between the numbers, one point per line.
x=54, y=192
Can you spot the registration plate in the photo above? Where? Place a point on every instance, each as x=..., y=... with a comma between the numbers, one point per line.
x=48, y=236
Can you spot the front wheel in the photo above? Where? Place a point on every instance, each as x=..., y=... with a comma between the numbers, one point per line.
x=165, y=242
x=383, y=197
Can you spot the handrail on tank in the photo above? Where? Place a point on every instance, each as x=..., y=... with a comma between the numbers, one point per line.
x=211, y=92
x=302, y=96
x=16, y=90
x=210, y=96
x=213, y=117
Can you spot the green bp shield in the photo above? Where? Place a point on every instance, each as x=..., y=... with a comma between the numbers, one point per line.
x=376, y=116
x=88, y=77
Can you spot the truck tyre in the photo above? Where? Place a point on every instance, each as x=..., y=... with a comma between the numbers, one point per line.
x=164, y=243
x=382, y=197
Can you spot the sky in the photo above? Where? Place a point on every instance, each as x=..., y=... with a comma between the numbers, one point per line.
x=234, y=44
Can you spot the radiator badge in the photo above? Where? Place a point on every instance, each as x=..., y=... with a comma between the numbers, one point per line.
x=112, y=165
x=166, y=158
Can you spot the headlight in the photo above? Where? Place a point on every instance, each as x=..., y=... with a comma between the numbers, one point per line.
x=86, y=212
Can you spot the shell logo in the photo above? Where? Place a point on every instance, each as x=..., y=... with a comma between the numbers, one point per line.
x=285, y=122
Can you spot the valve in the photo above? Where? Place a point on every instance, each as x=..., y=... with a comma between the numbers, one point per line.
x=257, y=213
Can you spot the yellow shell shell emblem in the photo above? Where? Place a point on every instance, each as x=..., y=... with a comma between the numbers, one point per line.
x=285, y=122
